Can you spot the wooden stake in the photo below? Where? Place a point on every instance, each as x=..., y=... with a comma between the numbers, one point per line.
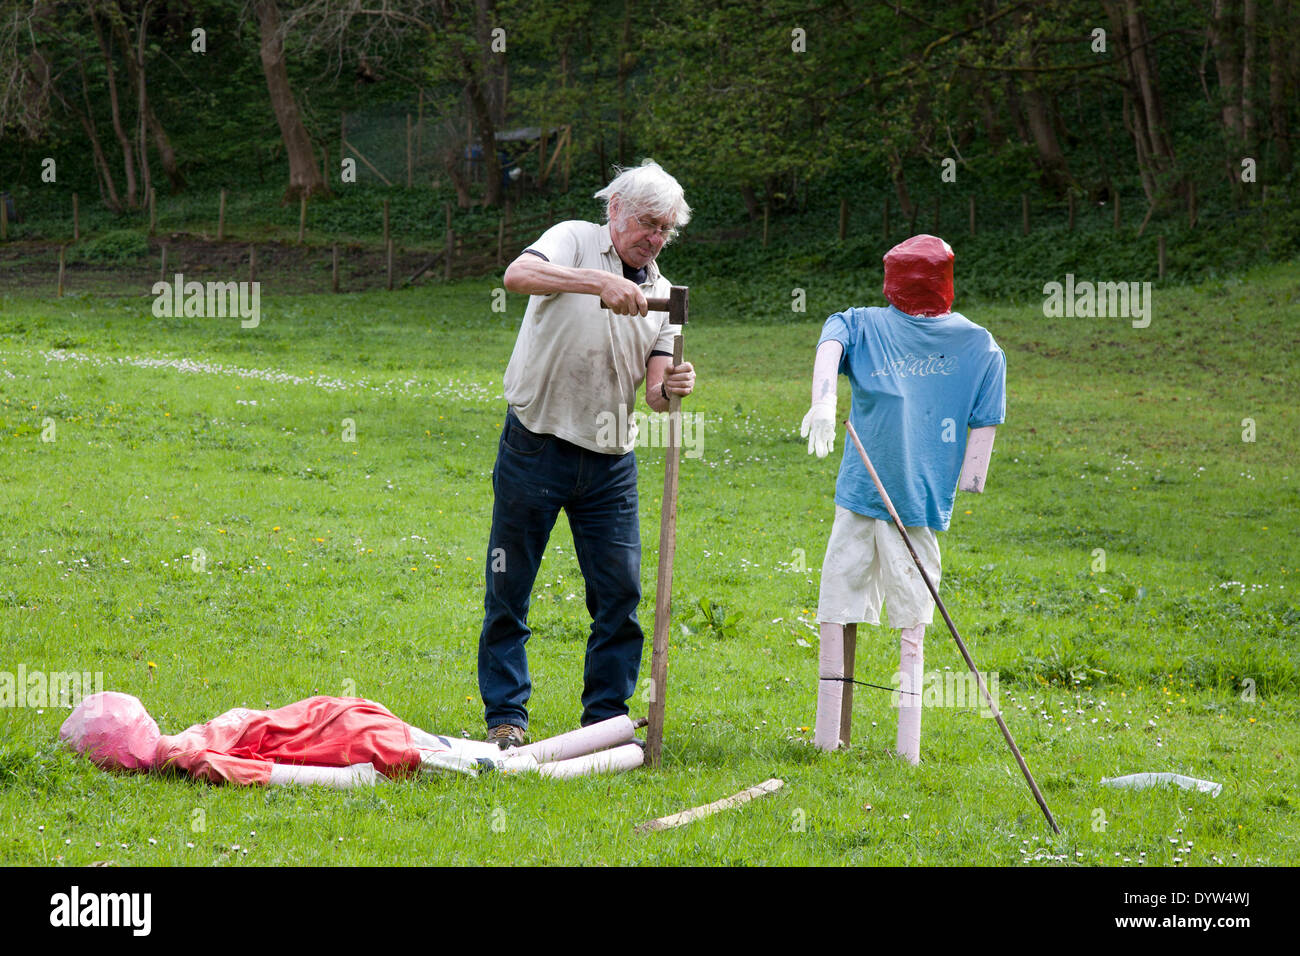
x=844, y=217
x=60, y=292
x=302, y=217
x=390, y=265
x=1024, y=213
x=961, y=645
x=76, y=219
x=846, y=707
x=695, y=813
x=664, y=581
x=221, y=217
x=334, y=269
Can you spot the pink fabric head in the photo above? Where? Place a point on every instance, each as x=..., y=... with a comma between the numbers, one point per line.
x=114, y=730
x=918, y=276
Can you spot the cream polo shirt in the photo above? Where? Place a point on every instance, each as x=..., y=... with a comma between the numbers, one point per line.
x=576, y=367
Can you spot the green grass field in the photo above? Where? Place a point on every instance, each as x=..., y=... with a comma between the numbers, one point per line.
x=179, y=510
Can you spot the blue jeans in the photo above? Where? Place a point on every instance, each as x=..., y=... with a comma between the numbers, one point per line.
x=535, y=476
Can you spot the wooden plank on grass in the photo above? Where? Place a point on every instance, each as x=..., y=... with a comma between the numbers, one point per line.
x=695, y=813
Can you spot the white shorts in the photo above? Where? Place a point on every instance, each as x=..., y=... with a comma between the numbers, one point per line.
x=867, y=563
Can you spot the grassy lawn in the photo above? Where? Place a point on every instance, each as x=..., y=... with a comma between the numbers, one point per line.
x=199, y=531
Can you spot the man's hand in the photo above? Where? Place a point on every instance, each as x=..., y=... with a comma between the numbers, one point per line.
x=819, y=428
x=623, y=296
x=679, y=380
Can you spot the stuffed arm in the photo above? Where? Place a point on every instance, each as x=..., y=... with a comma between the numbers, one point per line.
x=819, y=424
x=975, y=467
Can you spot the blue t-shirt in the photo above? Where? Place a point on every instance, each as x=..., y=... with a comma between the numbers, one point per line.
x=918, y=384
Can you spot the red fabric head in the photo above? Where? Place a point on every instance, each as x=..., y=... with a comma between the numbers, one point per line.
x=114, y=730
x=918, y=276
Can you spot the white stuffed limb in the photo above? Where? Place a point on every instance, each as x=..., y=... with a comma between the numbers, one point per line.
x=342, y=778
x=819, y=424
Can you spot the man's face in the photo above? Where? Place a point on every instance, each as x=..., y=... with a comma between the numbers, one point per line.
x=639, y=239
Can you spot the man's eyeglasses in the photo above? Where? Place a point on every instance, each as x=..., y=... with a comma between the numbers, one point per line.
x=664, y=231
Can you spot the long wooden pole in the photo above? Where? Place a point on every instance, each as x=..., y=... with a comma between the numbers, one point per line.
x=961, y=645
x=654, y=735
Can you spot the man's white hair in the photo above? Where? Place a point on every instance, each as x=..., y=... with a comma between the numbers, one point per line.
x=647, y=190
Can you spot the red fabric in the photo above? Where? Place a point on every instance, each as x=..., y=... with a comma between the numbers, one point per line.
x=241, y=745
x=918, y=276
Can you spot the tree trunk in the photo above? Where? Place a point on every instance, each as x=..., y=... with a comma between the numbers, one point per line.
x=1250, y=25
x=124, y=141
x=304, y=176
x=136, y=70
x=1278, y=98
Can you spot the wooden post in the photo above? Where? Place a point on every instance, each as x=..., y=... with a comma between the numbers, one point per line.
x=846, y=707
x=885, y=218
x=153, y=211
x=162, y=270
x=1024, y=213
x=385, y=222
x=221, y=217
x=844, y=217
x=1160, y=257
x=61, y=251
x=334, y=269
x=765, y=210
x=1191, y=205
x=1070, y=201
x=390, y=265
x=410, y=159
x=1116, y=198
x=76, y=219
x=252, y=264
x=972, y=215
x=302, y=217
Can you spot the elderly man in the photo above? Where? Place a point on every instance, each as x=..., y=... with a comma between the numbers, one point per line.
x=586, y=345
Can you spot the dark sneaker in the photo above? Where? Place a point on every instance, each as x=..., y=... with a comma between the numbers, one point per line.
x=506, y=736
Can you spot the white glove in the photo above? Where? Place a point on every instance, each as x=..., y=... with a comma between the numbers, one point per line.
x=819, y=428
